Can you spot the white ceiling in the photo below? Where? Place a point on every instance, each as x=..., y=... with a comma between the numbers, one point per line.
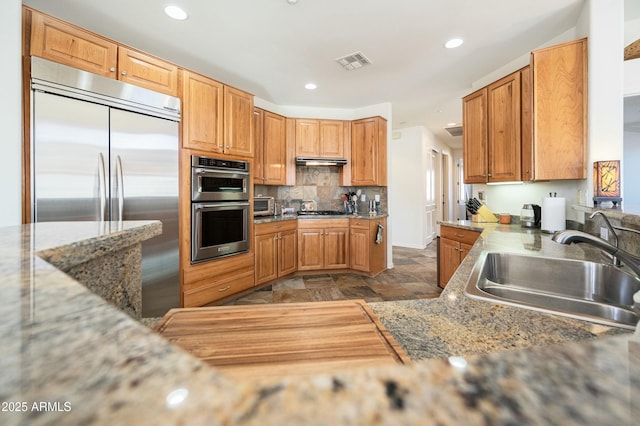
x=271, y=48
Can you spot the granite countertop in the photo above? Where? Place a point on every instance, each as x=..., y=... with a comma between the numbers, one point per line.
x=270, y=219
x=68, y=357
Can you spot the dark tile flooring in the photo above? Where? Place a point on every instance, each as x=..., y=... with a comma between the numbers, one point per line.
x=413, y=277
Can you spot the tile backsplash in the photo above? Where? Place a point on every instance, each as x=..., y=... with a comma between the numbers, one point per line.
x=322, y=185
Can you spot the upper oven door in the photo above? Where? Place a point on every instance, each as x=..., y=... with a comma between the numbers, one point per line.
x=218, y=185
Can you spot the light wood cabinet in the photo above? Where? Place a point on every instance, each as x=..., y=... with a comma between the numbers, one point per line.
x=559, y=81
x=276, y=250
x=321, y=138
x=67, y=44
x=61, y=42
x=202, y=126
x=504, y=140
x=238, y=122
x=369, y=152
x=455, y=244
x=323, y=244
x=146, y=71
x=527, y=124
x=270, y=148
x=492, y=134
x=366, y=255
x=474, y=137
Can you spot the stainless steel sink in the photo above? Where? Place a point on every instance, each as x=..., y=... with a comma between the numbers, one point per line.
x=578, y=289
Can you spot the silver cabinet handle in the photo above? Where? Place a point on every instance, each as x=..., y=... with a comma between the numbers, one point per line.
x=123, y=72
x=120, y=183
x=103, y=189
x=224, y=288
x=112, y=69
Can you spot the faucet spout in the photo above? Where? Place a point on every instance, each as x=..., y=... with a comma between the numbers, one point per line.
x=571, y=236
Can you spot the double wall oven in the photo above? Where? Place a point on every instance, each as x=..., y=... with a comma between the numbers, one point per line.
x=220, y=208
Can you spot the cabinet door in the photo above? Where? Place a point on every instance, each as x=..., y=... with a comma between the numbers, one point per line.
x=238, y=122
x=449, y=259
x=307, y=138
x=474, y=137
x=332, y=139
x=287, y=252
x=202, y=113
x=527, y=124
x=274, y=149
x=336, y=248
x=266, y=265
x=464, y=250
x=504, y=129
x=147, y=71
x=559, y=76
x=258, y=146
x=310, y=249
x=69, y=45
x=359, y=249
x=364, y=152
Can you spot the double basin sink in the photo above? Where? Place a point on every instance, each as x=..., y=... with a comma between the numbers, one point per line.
x=584, y=290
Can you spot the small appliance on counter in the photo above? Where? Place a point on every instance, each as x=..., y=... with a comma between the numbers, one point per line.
x=530, y=216
x=264, y=206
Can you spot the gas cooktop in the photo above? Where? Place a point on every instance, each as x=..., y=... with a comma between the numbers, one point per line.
x=320, y=213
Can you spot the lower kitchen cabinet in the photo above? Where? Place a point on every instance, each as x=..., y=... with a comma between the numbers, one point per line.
x=276, y=250
x=323, y=244
x=367, y=255
x=455, y=244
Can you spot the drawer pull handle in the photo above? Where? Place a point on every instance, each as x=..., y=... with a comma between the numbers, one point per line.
x=460, y=235
x=224, y=288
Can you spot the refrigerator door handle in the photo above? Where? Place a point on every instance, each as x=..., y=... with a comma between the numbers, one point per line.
x=103, y=186
x=120, y=183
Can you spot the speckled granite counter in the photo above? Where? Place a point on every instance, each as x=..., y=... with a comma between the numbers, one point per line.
x=269, y=219
x=68, y=357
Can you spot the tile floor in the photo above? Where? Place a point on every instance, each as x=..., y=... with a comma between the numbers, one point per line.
x=413, y=277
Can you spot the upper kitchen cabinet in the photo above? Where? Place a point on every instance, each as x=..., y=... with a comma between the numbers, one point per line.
x=559, y=89
x=146, y=71
x=474, y=137
x=202, y=126
x=368, y=152
x=238, y=122
x=321, y=138
x=270, y=148
x=67, y=44
x=492, y=132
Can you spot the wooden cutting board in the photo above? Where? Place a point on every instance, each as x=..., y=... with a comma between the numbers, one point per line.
x=283, y=339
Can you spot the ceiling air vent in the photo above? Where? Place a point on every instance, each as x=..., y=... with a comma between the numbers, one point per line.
x=353, y=61
x=454, y=131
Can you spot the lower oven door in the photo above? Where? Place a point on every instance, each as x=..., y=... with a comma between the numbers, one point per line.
x=219, y=229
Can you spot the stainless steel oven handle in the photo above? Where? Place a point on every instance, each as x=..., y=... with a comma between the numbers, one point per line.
x=103, y=185
x=200, y=206
x=120, y=187
x=200, y=170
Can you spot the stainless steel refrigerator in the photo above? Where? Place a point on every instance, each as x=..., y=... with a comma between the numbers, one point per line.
x=103, y=150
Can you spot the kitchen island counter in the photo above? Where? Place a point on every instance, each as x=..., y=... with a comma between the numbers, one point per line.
x=89, y=363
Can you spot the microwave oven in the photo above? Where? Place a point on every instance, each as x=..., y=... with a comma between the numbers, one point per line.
x=264, y=206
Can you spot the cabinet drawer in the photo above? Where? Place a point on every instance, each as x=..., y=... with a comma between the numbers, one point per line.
x=218, y=289
x=461, y=235
x=322, y=223
x=360, y=223
x=273, y=227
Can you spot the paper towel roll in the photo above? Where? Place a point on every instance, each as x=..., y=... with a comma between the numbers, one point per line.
x=553, y=214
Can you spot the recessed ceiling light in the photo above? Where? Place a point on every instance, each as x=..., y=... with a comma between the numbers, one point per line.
x=453, y=43
x=175, y=12
x=451, y=124
x=310, y=86
x=292, y=1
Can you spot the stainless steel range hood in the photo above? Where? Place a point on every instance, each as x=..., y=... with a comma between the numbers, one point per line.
x=308, y=161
